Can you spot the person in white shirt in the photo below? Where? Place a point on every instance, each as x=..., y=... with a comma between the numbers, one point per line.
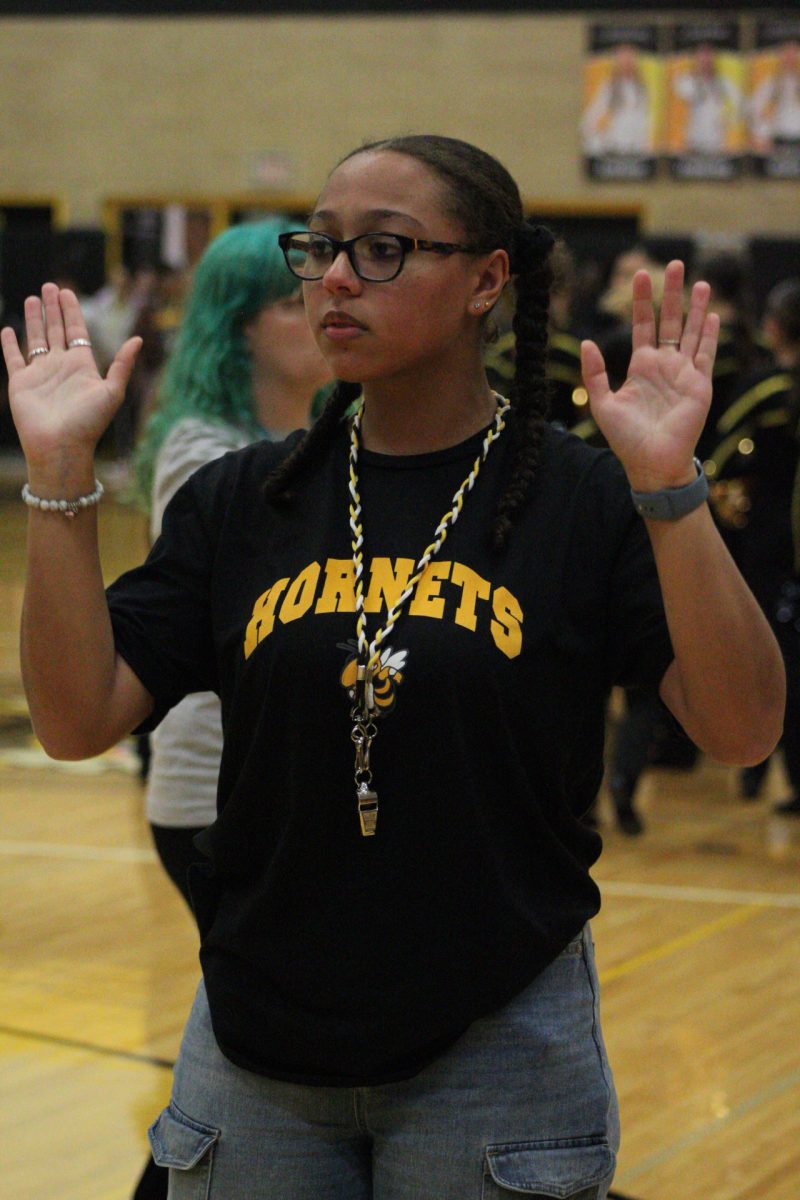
x=774, y=108
x=618, y=120
x=713, y=101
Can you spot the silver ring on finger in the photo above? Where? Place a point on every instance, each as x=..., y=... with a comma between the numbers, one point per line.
x=669, y=341
x=37, y=350
x=79, y=342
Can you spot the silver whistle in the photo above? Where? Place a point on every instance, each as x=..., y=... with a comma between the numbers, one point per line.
x=367, y=809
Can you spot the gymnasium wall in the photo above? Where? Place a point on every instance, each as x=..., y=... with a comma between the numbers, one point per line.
x=102, y=107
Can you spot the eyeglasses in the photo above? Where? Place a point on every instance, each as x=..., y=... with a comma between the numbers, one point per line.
x=375, y=257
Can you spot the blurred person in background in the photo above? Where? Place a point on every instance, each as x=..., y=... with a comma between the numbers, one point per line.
x=245, y=366
x=595, y=277
x=741, y=348
x=754, y=471
x=615, y=299
x=113, y=313
x=569, y=400
x=158, y=324
x=645, y=733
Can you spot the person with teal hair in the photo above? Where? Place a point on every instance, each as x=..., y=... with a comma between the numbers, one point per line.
x=245, y=366
x=214, y=375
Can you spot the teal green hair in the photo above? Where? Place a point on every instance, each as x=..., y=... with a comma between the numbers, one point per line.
x=209, y=373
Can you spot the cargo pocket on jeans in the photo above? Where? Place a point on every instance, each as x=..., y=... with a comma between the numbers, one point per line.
x=567, y=1169
x=182, y=1144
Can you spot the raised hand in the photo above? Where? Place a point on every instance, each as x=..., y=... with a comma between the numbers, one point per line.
x=60, y=403
x=653, y=422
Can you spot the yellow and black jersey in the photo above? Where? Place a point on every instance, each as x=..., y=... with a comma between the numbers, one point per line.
x=739, y=356
x=756, y=432
x=752, y=469
x=569, y=400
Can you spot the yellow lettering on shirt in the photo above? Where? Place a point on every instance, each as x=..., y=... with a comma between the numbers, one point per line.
x=300, y=595
x=507, y=628
x=387, y=583
x=473, y=589
x=262, y=621
x=338, y=590
x=332, y=587
x=426, y=601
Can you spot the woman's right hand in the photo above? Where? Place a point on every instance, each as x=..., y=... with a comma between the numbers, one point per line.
x=60, y=403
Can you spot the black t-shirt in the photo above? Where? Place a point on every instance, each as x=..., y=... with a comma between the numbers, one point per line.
x=332, y=958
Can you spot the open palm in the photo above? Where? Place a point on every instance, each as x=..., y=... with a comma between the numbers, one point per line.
x=59, y=400
x=653, y=421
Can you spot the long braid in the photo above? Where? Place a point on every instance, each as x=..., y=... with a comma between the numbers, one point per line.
x=529, y=390
x=278, y=485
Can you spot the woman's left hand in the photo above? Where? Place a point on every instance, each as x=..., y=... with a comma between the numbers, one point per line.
x=653, y=422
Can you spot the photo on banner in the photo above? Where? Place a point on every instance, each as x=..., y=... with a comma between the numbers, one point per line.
x=622, y=102
x=773, y=98
x=706, y=133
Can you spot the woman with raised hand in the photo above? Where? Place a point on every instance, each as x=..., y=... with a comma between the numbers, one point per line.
x=413, y=618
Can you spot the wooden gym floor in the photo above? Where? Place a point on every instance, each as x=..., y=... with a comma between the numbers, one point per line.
x=698, y=943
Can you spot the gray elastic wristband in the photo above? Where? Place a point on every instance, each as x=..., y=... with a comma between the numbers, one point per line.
x=670, y=504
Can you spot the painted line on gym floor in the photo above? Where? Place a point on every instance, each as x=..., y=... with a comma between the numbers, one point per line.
x=698, y=895
x=700, y=934
x=689, y=1140
x=77, y=853
x=150, y=1060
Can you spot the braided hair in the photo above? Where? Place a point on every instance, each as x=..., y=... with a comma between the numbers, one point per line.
x=529, y=390
x=311, y=448
x=481, y=196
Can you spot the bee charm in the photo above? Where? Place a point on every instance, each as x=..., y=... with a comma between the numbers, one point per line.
x=372, y=691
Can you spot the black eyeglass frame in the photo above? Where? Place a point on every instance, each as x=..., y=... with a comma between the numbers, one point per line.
x=407, y=245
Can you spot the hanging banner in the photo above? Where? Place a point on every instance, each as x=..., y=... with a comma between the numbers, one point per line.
x=622, y=102
x=773, y=100
x=705, y=128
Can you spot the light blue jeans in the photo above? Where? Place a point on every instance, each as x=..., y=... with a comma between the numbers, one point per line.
x=522, y=1104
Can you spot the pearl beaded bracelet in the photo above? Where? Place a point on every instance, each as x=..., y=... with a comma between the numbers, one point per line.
x=69, y=508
